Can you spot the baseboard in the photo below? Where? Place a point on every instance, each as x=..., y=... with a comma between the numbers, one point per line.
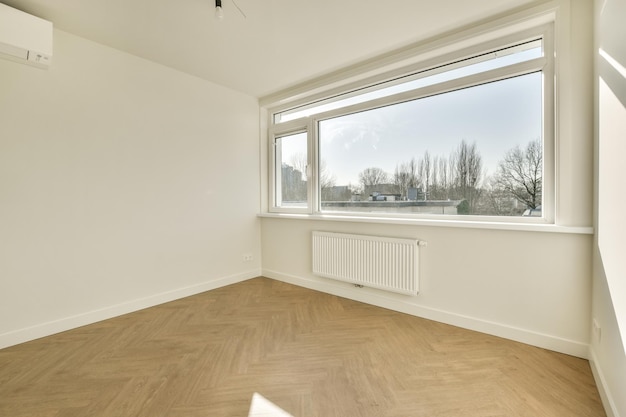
x=49, y=328
x=379, y=299
x=603, y=388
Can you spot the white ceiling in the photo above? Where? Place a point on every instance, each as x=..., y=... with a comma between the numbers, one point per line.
x=280, y=43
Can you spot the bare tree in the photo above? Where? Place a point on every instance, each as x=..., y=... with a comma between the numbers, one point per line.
x=355, y=189
x=426, y=173
x=372, y=177
x=440, y=187
x=467, y=167
x=520, y=174
x=496, y=201
x=405, y=177
x=326, y=179
x=299, y=161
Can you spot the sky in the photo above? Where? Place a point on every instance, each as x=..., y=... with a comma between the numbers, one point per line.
x=496, y=116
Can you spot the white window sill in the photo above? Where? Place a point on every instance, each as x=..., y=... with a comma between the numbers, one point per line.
x=525, y=227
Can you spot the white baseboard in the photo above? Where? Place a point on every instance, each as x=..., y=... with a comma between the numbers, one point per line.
x=605, y=394
x=379, y=299
x=375, y=298
x=67, y=323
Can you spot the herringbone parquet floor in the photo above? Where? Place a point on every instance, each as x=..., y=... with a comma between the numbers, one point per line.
x=310, y=353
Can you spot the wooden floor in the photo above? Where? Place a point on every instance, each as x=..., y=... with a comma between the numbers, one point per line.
x=310, y=353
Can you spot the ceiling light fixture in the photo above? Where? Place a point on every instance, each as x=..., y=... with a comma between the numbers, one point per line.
x=219, y=13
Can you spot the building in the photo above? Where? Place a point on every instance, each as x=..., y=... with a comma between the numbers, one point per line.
x=384, y=205
x=131, y=173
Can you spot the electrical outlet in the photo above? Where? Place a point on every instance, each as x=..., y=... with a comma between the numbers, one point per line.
x=248, y=258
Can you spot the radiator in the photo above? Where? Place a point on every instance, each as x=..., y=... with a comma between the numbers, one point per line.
x=385, y=263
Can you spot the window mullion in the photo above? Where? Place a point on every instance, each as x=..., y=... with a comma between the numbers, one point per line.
x=313, y=167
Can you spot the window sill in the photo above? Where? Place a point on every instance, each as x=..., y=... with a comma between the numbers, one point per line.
x=524, y=227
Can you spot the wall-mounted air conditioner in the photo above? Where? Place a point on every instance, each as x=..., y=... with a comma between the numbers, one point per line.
x=25, y=38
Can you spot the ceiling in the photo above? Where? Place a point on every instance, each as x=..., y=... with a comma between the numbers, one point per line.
x=279, y=43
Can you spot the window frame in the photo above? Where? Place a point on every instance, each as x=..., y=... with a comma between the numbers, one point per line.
x=286, y=129
x=435, y=64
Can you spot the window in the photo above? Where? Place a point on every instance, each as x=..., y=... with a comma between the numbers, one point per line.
x=470, y=135
x=290, y=182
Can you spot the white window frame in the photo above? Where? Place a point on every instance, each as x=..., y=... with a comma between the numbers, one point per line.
x=285, y=129
x=546, y=64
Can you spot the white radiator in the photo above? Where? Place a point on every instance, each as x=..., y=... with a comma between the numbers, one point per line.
x=390, y=264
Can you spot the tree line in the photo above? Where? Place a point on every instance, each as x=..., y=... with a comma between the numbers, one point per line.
x=515, y=186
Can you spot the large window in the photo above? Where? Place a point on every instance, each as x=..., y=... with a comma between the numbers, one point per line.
x=471, y=135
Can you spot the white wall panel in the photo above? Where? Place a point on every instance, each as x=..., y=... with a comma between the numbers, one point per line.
x=120, y=181
x=528, y=286
x=608, y=339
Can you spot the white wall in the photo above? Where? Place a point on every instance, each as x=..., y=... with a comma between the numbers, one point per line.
x=122, y=184
x=529, y=286
x=609, y=284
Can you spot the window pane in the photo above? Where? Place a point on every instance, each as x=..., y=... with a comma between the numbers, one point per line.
x=291, y=164
x=472, y=151
x=492, y=60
